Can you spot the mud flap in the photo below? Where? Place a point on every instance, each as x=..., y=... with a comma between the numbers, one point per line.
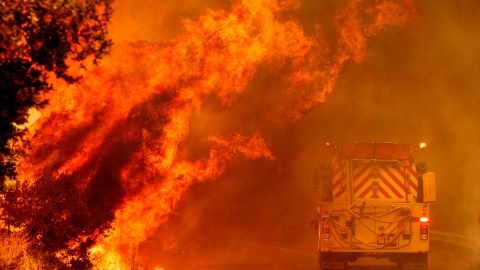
x=413, y=262
x=332, y=261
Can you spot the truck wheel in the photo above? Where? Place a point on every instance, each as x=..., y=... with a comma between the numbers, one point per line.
x=413, y=262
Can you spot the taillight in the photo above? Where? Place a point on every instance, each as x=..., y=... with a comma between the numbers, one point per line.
x=325, y=231
x=424, y=227
x=424, y=219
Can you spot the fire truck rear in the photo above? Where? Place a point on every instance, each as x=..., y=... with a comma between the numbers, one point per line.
x=375, y=202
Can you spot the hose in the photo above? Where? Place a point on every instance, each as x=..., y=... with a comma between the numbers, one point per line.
x=399, y=215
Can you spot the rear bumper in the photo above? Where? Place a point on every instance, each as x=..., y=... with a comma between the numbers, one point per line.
x=340, y=260
x=352, y=256
x=373, y=252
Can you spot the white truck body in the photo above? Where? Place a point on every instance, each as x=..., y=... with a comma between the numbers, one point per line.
x=374, y=202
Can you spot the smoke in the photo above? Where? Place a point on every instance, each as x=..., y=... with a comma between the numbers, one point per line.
x=155, y=21
x=417, y=85
x=421, y=86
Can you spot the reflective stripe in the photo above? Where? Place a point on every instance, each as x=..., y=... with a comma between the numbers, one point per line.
x=339, y=178
x=372, y=180
x=383, y=181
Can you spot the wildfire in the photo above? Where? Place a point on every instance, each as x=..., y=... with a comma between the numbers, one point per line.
x=119, y=133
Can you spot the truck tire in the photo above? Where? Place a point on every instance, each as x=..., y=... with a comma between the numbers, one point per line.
x=330, y=261
x=413, y=262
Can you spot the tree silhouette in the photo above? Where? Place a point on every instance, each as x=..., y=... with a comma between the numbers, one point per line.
x=38, y=39
x=54, y=213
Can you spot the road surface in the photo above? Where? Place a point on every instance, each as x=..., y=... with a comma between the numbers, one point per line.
x=448, y=253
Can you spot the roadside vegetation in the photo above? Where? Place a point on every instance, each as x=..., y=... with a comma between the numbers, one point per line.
x=17, y=253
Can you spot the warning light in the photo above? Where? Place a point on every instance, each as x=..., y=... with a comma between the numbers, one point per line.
x=424, y=219
x=422, y=145
x=328, y=144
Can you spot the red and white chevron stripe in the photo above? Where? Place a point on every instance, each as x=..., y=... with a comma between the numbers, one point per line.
x=339, y=179
x=384, y=181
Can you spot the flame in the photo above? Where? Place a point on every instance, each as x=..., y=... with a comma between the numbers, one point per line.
x=158, y=200
x=119, y=132
x=33, y=116
x=315, y=74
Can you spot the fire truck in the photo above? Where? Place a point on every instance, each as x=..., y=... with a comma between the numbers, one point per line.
x=374, y=202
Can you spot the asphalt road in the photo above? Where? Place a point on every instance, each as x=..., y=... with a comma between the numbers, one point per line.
x=446, y=255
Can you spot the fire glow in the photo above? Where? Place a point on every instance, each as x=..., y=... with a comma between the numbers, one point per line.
x=119, y=132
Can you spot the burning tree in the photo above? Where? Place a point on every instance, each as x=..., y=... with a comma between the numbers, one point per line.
x=37, y=39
